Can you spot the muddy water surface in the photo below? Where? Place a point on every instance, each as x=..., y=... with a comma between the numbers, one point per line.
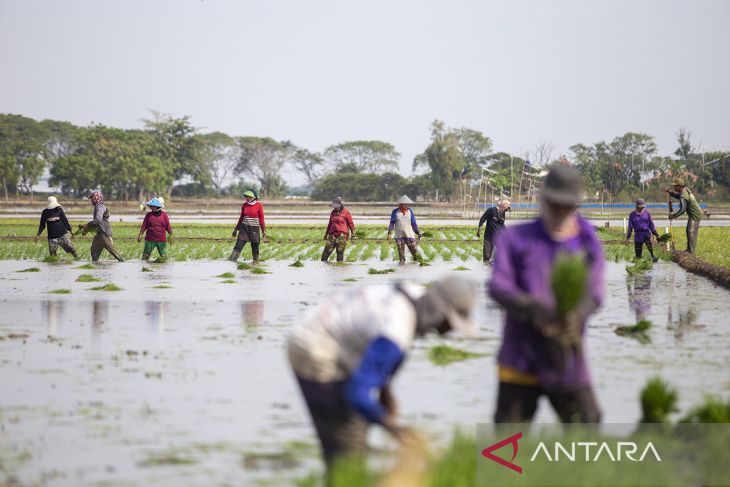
x=188, y=385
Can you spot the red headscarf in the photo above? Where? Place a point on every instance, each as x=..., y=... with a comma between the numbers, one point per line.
x=96, y=198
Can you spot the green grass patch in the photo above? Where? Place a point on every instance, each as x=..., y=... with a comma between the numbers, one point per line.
x=60, y=291
x=107, y=287
x=226, y=275
x=445, y=355
x=30, y=269
x=383, y=271
x=87, y=278
x=713, y=410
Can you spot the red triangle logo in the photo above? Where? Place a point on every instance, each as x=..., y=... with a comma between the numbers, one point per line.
x=512, y=440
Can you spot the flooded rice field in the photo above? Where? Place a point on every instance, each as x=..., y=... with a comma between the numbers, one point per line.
x=180, y=377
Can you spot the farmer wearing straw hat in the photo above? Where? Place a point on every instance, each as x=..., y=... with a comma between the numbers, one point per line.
x=59, y=229
x=403, y=224
x=542, y=351
x=250, y=227
x=641, y=223
x=156, y=225
x=336, y=235
x=346, y=352
x=100, y=224
x=687, y=204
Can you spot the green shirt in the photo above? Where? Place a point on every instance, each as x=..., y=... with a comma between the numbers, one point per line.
x=693, y=207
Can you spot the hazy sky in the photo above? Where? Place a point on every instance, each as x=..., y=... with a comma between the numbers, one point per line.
x=323, y=72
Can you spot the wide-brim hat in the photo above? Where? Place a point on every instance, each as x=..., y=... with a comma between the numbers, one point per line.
x=563, y=185
x=678, y=182
x=405, y=200
x=250, y=194
x=52, y=203
x=454, y=298
x=336, y=203
x=155, y=202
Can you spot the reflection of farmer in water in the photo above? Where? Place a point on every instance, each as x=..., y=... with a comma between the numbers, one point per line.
x=346, y=353
x=639, y=289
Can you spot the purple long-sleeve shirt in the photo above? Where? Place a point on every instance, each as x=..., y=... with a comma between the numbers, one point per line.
x=642, y=225
x=523, y=269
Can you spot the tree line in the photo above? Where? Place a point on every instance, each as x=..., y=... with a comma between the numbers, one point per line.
x=169, y=156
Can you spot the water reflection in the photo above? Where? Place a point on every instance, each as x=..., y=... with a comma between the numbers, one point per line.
x=52, y=314
x=156, y=313
x=639, y=290
x=99, y=317
x=252, y=313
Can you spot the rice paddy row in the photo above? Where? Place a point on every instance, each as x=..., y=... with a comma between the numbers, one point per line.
x=298, y=242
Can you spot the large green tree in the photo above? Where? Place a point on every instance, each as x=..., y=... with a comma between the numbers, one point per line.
x=23, y=144
x=365, y=156
x=264, y=159
x=220, y=154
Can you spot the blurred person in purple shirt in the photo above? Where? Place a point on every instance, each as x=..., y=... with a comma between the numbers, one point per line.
x=521, y=284
x=642, y=225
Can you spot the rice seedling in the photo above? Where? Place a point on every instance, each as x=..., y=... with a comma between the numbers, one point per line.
x=637, y=331
x=228, y=281
x=30, y=269
x=297, y=263
x=712, y=410
x=461, y=268
x=107, y=287
x=568, y=282
x=350, y=279
x=226, y=275
x=638, y=267
x=51, y=259
x=162, y=286
x=259, y=270
x=373, y=271
x=87, y=278
x=146, y=269
x=658, y=401
x=445, y=355
x=60, y=291
x=242, y=266
x=664, y=238
x=89, y=265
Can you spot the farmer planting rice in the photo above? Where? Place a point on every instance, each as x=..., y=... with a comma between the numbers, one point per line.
x=100, y=224
x=250, y=227
x=403, y=224
x=352, y=345
x=155, y=227
x=494, y=218
x=548, y=276
x=687, y=204
x=642, y=225
x=59, y=230
x=336, y=235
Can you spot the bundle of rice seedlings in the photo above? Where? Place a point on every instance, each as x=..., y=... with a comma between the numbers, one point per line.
x=658, y=401
x=569, y=282
x=637, y=331
x=638, y=267
x=664, y=238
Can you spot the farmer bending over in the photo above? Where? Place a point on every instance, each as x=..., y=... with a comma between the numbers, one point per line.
x=156, y=225
x=352, y=345
x=542, y=352
x=494, y=218
x=641, y=223
x=687, y=204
